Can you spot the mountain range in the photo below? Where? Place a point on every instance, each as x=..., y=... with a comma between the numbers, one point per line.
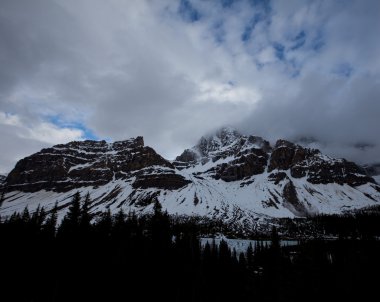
x=226, y=175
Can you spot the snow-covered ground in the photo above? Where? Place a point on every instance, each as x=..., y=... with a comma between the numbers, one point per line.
x=215, y=198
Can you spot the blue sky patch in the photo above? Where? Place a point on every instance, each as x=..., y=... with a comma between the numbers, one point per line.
x=279, y=50
x=227, y=3
x=61, y=123
x=294, y=68
x=344, y=70
x=299, y=40
x=261, y=10
x=188, y=12
x=264, y=4
x=251, y=26
x=318, y=41
x=219, y=32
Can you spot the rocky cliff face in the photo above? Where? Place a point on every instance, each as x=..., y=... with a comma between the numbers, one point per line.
x=228, y=175
x=225, y=143
x=290, y=175
x=318, y=169
x=241, y=156
x=91, y=163
x=2, y=179
x=245, y=156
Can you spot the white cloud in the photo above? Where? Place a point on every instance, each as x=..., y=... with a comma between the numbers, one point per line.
x=227, y=93
x=20, y=138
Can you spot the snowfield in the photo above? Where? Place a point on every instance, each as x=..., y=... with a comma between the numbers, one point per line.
x=205, y=196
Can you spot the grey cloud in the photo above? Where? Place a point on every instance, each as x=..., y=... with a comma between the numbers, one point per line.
x=137, y=68
x=14, y=148
x=339, y=110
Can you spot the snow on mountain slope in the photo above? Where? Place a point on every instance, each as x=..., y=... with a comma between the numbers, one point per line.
x=238, y=178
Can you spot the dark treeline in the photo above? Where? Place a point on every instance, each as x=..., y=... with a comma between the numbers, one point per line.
x=123, y=257
x=361, y=224
x=358, y=224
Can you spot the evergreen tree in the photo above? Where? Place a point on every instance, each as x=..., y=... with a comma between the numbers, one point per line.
x=242, y=260
x=157, y=208
x=160, y=228
x=224, y=253
x=85, y=216
x=104, y=223
x=275, y=239
x=15, y=217
x=74, y=213
x=71, y=221
x=35, y=214
x=214, y=250
x=250, y=255
x=196, y=199
x=41, y=217
x=119, y=226
x=38, y=217
x=51, y=222
x=25, y=217
x=207, y=253
x=120, y=218
x=2, y=198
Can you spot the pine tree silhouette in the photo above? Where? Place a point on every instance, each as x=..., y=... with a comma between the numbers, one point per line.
x=51, y=222
x=2, y=198
x=275, y=239
x=38, y=217
x=85, y=216
x=25, y=217
x=104, y=224
x=71, y=222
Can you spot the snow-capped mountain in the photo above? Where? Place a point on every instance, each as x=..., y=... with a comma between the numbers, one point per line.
x=226, y=175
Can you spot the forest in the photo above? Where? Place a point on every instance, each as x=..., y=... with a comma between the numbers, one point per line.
x=125, y=257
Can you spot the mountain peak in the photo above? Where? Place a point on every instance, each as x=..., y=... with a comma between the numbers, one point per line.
x=223, y=137
x=228, y=135
x=77, y=164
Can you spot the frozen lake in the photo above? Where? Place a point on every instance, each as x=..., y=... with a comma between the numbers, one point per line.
x=241, y=245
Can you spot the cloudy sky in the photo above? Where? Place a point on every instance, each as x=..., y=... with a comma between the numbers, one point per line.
x=174, y=70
